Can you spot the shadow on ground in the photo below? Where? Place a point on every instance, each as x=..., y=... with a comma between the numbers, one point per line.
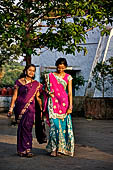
x=93, y=148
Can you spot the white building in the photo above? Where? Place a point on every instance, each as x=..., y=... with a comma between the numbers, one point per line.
x=98, y=48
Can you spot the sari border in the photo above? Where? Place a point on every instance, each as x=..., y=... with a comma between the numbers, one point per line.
x=30, y=100
x=65, y=152
x=61, y=80
x=23, y=83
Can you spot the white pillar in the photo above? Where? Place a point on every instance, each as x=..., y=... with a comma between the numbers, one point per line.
x=37, y=73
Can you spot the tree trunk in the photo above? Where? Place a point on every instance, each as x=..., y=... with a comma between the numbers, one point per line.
x=28, y=59
x=28, y=56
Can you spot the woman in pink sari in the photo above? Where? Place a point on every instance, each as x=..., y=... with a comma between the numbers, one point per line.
x=23, y=102
x=59, y=106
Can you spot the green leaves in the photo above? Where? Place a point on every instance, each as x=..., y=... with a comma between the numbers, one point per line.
x=103, y=75
x=60, y=25
x=78, y=81
x=29, y=51
x=11, y=74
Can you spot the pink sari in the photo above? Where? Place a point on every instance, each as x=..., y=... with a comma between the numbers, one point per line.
x=58, y=103
x=61, y=136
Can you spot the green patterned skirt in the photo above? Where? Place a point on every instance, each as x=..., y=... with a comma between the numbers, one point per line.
x=61, y=137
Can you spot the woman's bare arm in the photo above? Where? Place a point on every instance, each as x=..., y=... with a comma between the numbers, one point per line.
x=14, y=97
x=70, y=97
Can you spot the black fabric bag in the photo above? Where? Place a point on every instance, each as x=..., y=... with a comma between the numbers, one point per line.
x=40, y=130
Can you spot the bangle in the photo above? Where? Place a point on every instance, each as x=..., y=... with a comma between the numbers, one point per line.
x=48, y=92
x=11, y=109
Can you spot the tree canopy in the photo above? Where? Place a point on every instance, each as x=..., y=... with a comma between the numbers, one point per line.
x=51, y=24
x=11, y=74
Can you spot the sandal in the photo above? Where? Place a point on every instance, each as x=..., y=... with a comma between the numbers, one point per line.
x=59, y=154
x=22, y=154
x=29, y=155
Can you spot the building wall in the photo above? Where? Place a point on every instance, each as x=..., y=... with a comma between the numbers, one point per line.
x=109, y=92
x=48, y=58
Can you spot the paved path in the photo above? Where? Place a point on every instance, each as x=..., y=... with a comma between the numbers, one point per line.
x=93, y=148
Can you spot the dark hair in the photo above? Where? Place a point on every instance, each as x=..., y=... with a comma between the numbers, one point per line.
x=26, y=68
x=61, y=61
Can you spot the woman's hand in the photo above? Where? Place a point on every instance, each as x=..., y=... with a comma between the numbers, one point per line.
x=50, y=93
x=9, y=114
x=69, y=111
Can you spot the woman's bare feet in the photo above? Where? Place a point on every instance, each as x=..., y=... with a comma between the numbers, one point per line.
x=59, y=154
x=53, y=153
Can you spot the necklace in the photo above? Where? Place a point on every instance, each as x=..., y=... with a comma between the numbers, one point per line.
x=28, y=81
x=61, y=75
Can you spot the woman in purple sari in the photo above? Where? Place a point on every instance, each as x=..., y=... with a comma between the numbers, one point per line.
x=59, y=107
x=23, y=104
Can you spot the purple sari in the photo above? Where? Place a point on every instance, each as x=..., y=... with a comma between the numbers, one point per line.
x=25, y=113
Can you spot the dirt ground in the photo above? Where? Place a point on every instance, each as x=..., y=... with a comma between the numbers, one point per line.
x=93, y=148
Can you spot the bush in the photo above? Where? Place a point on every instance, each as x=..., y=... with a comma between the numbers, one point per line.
x=11, y=74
